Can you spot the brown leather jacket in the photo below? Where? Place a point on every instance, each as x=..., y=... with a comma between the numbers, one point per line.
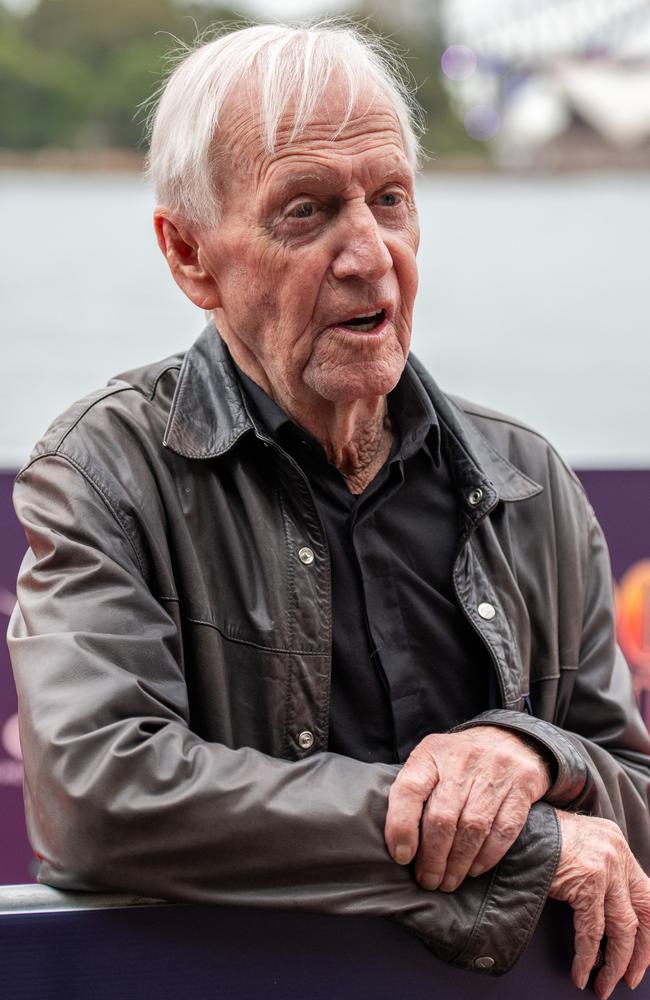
x=172, y=660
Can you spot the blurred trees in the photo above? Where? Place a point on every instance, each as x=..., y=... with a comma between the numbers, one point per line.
x=73, y=72
x=419, y=45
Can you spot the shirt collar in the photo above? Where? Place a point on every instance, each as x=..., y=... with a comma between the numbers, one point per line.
x=271, y=417
x=410, y=408
x=209, y=414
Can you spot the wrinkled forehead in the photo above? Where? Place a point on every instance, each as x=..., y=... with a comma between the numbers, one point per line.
x=337, y=121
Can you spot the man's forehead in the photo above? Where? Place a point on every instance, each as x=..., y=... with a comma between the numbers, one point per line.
x=371, y=123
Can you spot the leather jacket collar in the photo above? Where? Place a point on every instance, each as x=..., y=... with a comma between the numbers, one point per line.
x=209, y=414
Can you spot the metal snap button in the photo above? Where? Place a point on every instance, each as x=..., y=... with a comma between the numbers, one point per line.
x=474, y=497
x=306, y=555
x=305, y=740
x=486, y=611
x=484, y=962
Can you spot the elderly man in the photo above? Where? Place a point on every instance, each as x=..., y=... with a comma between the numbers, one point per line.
x=295, y=628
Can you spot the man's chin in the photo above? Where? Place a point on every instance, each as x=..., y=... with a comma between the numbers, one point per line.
x=345, y=382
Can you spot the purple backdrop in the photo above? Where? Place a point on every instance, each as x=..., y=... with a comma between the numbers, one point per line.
x=16, y=863
x=621, y=500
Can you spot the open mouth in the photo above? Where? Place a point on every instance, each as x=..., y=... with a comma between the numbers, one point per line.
x=365, y=324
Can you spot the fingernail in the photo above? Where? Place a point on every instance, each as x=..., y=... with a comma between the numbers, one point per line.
x=476, y=870
x=403, y=854
x=634, y=982
x=449, y=883
x=429, y=880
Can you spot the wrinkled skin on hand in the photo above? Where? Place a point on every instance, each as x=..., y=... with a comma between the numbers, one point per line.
x=599, y=877
x=460, y=802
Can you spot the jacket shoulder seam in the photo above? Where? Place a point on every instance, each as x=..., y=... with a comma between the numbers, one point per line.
x=108, y=503
x=498, y=419
x=510, y=422
x=111, y=391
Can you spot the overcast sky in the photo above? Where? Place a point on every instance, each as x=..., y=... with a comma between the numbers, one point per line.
x=265, y=8
x=290, y=8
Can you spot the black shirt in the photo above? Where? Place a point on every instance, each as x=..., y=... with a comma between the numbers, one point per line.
x=405, y=661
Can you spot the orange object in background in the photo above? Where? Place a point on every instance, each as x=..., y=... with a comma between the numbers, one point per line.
x=633, y=625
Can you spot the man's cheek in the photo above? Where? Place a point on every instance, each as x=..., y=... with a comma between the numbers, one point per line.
x=272, y=260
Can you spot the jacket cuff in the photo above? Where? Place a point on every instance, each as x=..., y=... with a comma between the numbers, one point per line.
x=517, y=892
x=571, y=772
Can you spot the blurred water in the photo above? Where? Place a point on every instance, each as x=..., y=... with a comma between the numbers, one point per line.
x=533, y=300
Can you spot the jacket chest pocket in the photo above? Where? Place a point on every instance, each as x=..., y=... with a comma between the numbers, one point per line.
x=242, y=695
x=254, y=567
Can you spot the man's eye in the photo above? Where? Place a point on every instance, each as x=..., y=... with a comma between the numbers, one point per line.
x=304, y=211
x=390, y=199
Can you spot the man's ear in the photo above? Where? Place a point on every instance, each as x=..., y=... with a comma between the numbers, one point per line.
x=182, y=252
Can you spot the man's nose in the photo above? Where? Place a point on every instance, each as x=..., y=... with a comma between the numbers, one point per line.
x=362, y=252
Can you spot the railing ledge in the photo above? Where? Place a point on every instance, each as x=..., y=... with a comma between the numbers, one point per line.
x=45, y=899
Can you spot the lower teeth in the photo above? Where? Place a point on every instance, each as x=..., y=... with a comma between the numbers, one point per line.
x=367, y=326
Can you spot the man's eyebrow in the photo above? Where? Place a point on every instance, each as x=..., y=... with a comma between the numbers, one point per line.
x=293, y=180
x=401, y=170
x=329, y=176
x=397, y=168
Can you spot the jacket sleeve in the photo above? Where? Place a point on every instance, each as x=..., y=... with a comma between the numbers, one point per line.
x=122, y=795
x=601, y=746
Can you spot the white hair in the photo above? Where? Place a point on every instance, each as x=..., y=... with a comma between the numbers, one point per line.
x=289, y=66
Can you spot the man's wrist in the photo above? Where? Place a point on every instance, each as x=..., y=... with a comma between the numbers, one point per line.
x=569, y=774
x=548, y=767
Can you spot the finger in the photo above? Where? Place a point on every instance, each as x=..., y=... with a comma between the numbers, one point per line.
x=505, y=828
x=621, y=925
x=474, y=826
x=640, y=899
x=406, y=799
x=438, y=831
x=589, y=927
x=640, y=958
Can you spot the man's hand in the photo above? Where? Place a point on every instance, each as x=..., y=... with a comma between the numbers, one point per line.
x=599, y=876
x=460, y=802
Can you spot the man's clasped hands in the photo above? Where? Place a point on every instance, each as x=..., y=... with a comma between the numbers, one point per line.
x=462, y=799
